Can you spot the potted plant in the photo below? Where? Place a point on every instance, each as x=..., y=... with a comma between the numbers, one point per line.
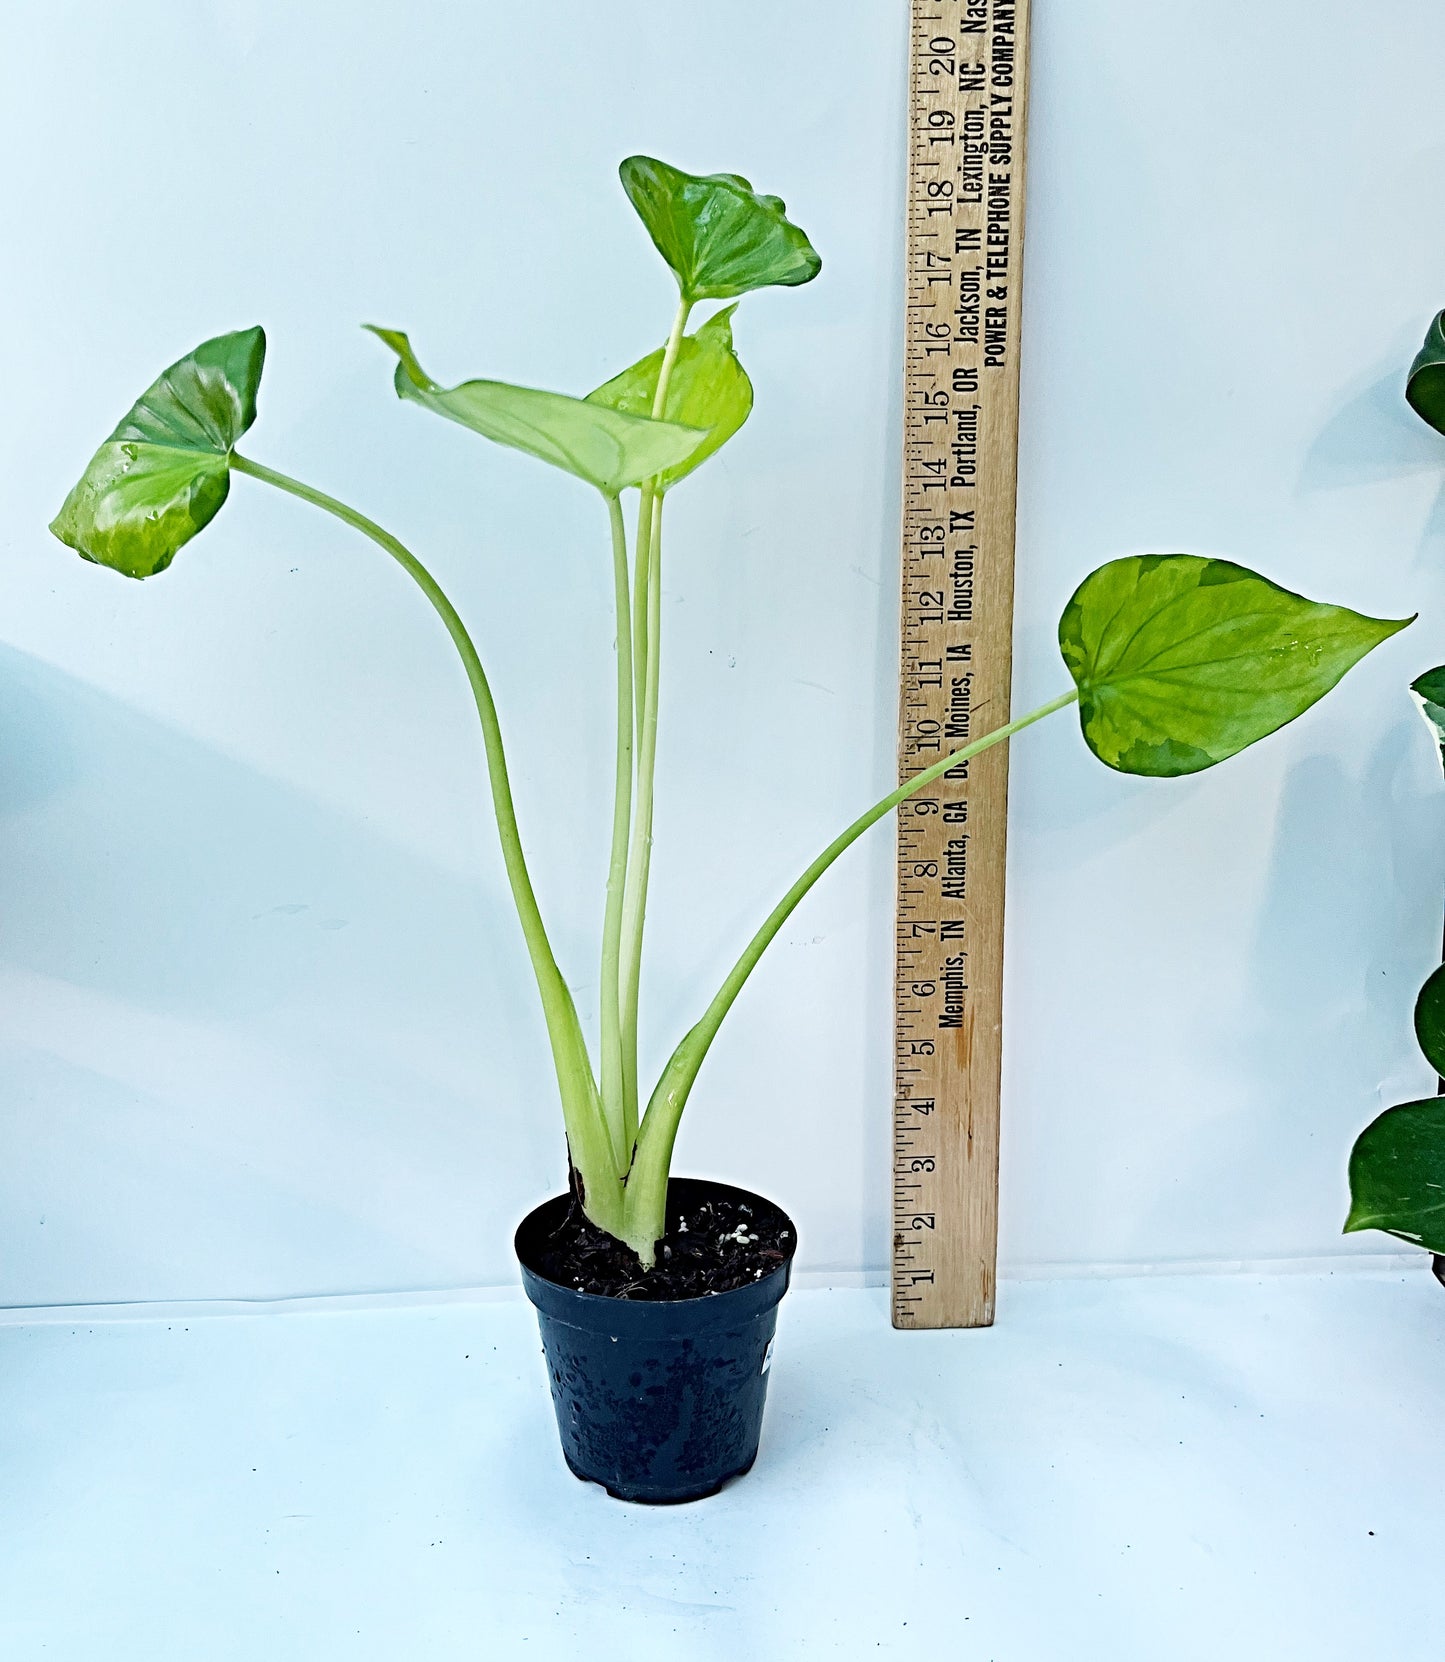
x=1397, y=1166
x=657, y=1296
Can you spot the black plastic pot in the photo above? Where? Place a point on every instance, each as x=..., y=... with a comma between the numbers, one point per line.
x=1439, y=1267
x=659, y=1400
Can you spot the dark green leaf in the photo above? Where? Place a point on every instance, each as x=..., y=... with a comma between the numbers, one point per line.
x=720, y=237
x=708, y=388
x=1397, y=1174
x=163, y=474
x=1429, y=691
x=1425, y=384
x=1430, y=1020
x=1181, y=662
x=605, y=447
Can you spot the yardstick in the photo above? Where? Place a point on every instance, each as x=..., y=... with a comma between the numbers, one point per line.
x=966, y=109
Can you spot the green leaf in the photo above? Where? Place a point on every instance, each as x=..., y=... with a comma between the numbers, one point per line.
x=708, y=388
x=1181, y=662
x=1397, y=1174
x=1425, y=384
x=1430, y=1020
x=1429, y=691
x=607, y=448
x=720, y=237
x=163, y=474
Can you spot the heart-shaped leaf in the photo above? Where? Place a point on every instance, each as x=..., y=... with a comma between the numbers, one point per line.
x=1429, y=691
x=607, y=448
x=1425, y=384
x=1397, y=1174
x=1181, y=662
x=708, y=388
x=1430, y=1020
x=720, y=237
x=163, y=474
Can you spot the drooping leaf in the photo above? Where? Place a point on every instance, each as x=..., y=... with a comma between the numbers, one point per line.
x=1425, y=384
x=1397, y=1174
x=1429, y=691
x=163, y=474
x=720, y=236
x=607, y=448
x=1430, y=1020
x=708, y=388
x=1181, y=661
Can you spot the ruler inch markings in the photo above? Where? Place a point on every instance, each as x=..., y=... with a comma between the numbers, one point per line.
x=963, y=271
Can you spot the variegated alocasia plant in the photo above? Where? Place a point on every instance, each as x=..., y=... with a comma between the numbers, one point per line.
x=1177, y=662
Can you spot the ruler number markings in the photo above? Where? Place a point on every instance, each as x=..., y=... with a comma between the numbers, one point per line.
x=966, y=109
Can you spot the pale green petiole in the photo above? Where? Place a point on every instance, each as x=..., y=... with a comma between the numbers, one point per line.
x=639, y=859
x=639, y=606
x=646, y=1198
x=588, y=1141
x=647, y=665
x=669, y=356
x=627, y=1006
x=619, y=1107
x=640, y=642
x=649, y=513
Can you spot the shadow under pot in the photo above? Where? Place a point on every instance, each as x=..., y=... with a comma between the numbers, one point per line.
x=660, y=1399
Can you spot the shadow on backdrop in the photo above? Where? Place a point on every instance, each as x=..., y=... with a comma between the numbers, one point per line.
x=250, y=1047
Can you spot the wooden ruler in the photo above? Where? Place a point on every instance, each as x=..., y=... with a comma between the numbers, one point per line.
x=966, y=108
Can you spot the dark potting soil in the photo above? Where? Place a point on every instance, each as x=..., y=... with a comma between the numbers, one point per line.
x=711, y=1246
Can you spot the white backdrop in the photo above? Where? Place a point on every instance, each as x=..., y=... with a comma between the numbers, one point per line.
x=265, y=1022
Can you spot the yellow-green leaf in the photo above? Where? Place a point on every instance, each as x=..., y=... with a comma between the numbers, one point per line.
x=606, y=447
x=1181, y=662
x=708, y=388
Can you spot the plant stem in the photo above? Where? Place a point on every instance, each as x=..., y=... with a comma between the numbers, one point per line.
x=669, y=357
x=589, y=1145
x=646, y=1196
x=640, y=643
x=647, y=666
x=639, y=855
x=621, y=1123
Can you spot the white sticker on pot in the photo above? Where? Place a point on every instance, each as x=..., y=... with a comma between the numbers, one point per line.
x=768, y=1355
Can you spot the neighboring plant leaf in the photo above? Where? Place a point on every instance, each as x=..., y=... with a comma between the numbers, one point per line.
x=720, y=237
x=1429, y=691
x=605, y=447
x=708, y=388
x=1397, y=1174
x=1425, y=384
x=1430, y=1020
x=163, y=474
x=1181, y=661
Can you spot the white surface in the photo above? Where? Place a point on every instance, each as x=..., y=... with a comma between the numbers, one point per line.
x=1188, y=1467
x=264, y=1019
